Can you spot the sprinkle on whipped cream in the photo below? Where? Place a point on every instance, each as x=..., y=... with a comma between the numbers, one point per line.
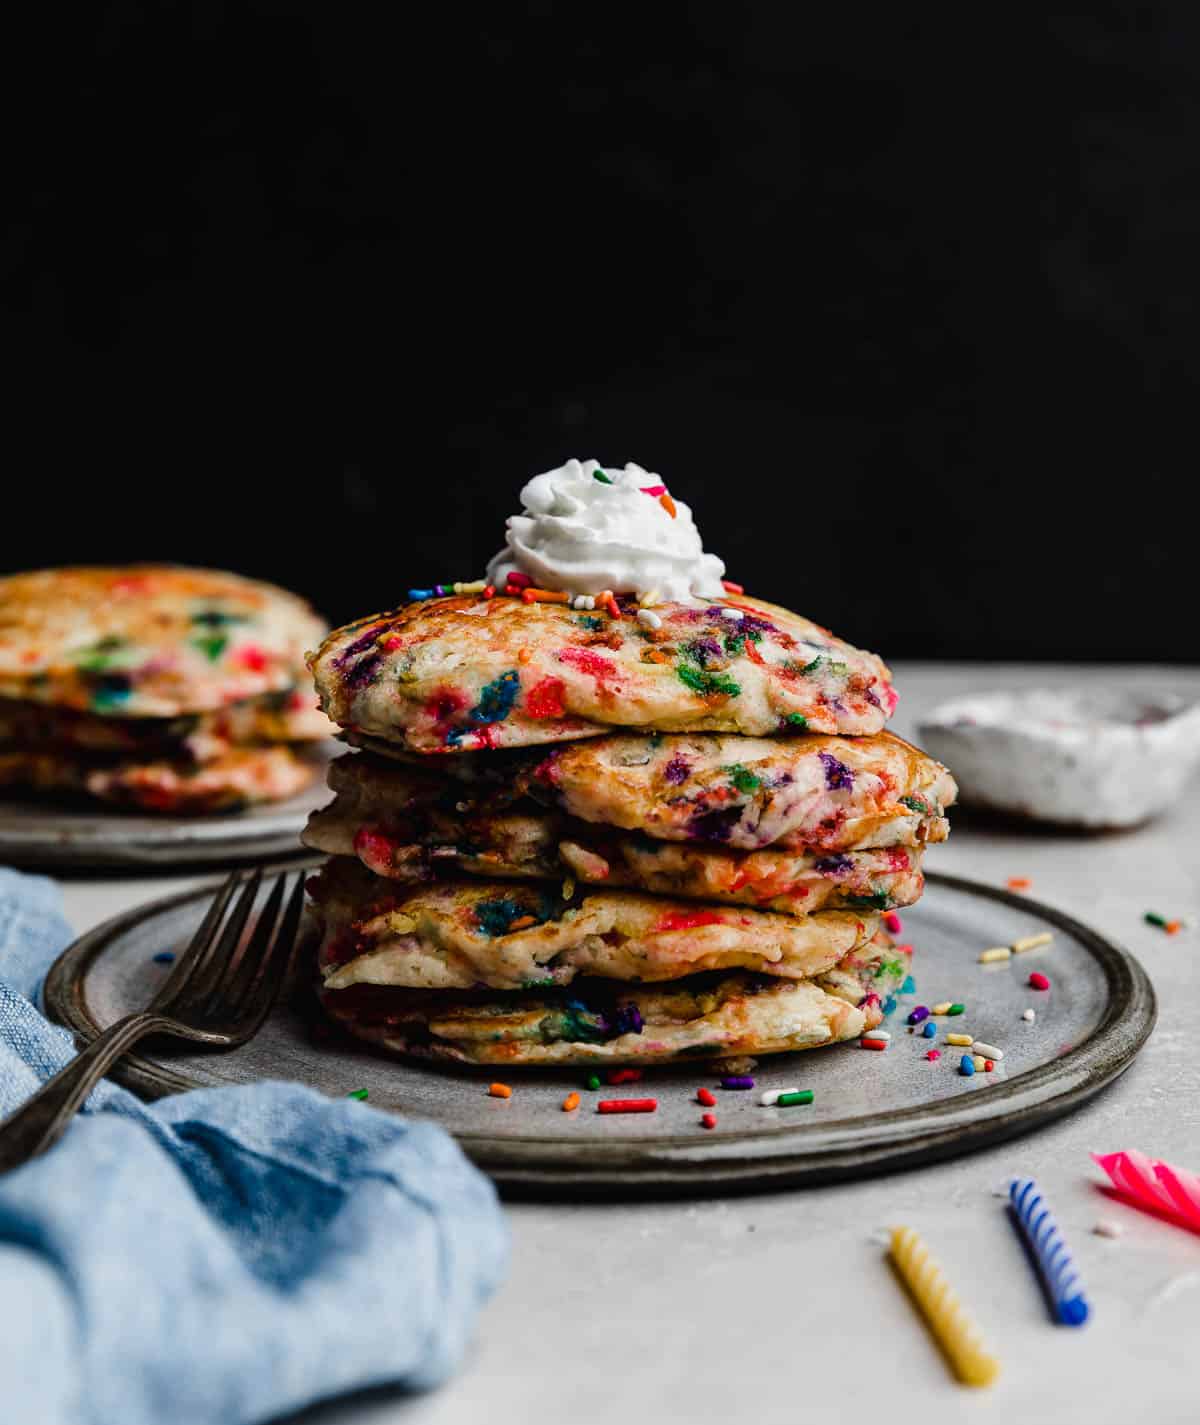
x=585, y=528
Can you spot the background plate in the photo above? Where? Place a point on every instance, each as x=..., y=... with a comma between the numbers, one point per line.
x=44, y=834
x=872, y=1111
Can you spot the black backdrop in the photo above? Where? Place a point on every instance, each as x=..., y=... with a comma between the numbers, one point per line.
x=907, y=312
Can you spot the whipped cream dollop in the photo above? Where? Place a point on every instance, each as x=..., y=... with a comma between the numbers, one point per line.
x=586, y=527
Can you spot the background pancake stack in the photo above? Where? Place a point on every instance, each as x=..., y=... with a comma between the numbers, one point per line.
x=158, y=687
x=575, y=834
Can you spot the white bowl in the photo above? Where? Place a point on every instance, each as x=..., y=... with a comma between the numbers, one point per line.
x=1085, y=757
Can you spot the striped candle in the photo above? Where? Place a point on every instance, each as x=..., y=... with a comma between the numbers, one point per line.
x=1054, y=1261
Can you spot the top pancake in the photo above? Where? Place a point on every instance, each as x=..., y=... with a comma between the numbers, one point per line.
x=464, y=674
x=149, y=640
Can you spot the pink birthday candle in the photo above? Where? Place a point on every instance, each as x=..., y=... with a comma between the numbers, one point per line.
x=1154, y=1185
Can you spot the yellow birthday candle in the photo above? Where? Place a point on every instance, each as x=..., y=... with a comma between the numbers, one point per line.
x=955, y=1332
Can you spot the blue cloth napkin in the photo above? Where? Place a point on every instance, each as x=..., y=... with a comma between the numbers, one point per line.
x=222, y=1256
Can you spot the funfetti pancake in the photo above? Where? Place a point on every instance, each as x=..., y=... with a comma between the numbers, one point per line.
x=835, y=793
x=603, y=610
x=407, y=825
x=463, y=673
x=598, y=1022
x=820, y=793
x=288, y=716
x=239, y=777
x=516, y=934
x=149, y=640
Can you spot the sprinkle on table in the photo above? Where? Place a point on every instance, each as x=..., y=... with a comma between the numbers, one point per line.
x=706, y=1097
x=359, y=1094
x=980, y=1063
x=499, y=1091
x=918, y=1014
x=944, y=1313
x=165, y=957
x=987, y=1050
x=966, y=1066
x=1019, y=883
x=960, y=1041
x=1038, y=981
x=772, y=1096
x=956, y=1009
x=708, y=1120
x=933, y=1054
x=997, y=952
x=929, y=1029
x=627, y=1105
x=737, y=1081
x=798, y=1096
x=942, y=1008
x=1172, y=927
x=593, y=1081
x=570, y=1103
x=867, y=1042
x=1031, y=942
x=1028, y=1015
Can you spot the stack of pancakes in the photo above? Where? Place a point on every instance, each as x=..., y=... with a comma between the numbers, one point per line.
x=156, y=687
x=583, y=836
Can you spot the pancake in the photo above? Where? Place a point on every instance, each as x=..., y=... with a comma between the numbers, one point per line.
x=831, y=794
x=405, y=825
x=149, y=640
x=288, y=716
x=239, y=777
x=835, y=793
x=457, y=674
x=704, y=1017
x=516, y=935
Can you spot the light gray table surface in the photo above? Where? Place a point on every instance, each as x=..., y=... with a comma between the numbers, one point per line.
x=781, y=1307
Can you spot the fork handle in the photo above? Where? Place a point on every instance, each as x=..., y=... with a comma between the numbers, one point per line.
x=39, y=1122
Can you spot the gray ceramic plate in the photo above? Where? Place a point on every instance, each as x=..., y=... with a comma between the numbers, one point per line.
x=54, y=835
x=872, y=1111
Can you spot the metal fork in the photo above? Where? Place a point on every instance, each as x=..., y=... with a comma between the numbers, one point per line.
x=217, y=994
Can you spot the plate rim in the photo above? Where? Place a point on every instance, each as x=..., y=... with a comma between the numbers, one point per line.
x=763, y=1158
